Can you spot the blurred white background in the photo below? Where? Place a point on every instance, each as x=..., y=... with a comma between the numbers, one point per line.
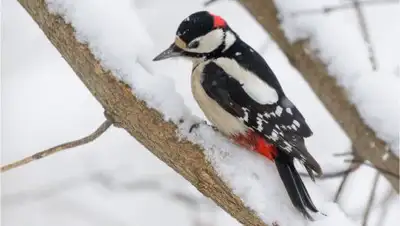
x=114, y=180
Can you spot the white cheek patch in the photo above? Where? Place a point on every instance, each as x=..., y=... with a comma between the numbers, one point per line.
x=209, y=42
x=256, y=88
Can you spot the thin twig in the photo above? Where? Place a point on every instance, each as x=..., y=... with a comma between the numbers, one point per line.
x=209, y=2
x=343, y=154
x=370, y=200
x=385, y=206
x=341, y=187
x=100, y=130
x=365, y=33
x=334, y=174
x=333, y=8
x=374, y=167
x=351, y=169
x=354, y=166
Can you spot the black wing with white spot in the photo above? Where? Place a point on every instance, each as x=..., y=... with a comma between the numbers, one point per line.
x=280, y=123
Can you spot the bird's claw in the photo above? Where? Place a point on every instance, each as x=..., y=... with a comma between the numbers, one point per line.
x=194, y=126
x=197, y=125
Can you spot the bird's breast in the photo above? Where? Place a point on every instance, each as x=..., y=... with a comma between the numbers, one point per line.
x=225, y=122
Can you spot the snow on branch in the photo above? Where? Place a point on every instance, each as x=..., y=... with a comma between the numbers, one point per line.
x=104, y=42
x=362, y=102
x=130, y=113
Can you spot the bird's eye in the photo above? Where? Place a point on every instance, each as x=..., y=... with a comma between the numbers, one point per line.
x=194, y=44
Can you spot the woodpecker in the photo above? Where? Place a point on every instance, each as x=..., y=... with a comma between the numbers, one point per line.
x=241, y=96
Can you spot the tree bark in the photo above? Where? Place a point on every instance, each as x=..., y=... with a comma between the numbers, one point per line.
x=144, y=124
x=367, y=145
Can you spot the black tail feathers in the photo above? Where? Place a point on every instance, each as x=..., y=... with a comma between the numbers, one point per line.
x=295, y=187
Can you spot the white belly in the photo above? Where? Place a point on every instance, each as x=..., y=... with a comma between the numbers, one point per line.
x=223, y=120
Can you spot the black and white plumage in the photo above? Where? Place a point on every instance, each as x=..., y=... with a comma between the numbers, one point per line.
x=238, y=92
x=280, y=122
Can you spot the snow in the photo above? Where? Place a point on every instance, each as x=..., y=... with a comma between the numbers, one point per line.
x=114, y=49
x=115, y=181
x=340, y=45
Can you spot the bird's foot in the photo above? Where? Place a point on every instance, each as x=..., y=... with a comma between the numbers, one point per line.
x=197, y=125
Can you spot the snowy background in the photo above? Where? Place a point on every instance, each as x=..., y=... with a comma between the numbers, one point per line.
x=115, y=181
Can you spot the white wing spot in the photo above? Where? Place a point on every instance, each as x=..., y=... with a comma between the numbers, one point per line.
x=294, y=127
x=288, y=148
x=238, y=53
x=274, y=135
x=295, y=122
x=246, y=114
x=259, y=124
x=273, y=114
x=278, y=110
x=289, y=110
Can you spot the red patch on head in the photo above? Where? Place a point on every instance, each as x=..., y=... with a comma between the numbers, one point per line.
x=255, y=142
x=218, y=21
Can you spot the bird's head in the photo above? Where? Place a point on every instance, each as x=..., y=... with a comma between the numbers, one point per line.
x=200, y=35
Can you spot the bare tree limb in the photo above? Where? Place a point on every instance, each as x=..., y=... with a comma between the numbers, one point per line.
x=353, y=165
x=385, y=208
x=370, y=200
x=91, y=137
x=341, y=187
x=209, y=2
x=364, y=31
x=344, y=154
x=383, y=171
x=325, y=87
x=333, y=174
x=333, y=8
x=145, y=124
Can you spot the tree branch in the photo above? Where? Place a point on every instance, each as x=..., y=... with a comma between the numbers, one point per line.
x=353, y=165
x=370, y=200
x=334, y=174
x=209, y=2
x=364, y=31
x=333, y=8
x=385, y=206
x=383, y=171
x=144, y=124
x=330, y=93
x=91, y=137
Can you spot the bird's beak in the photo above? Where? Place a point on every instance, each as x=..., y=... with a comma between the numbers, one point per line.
x=172, y=51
